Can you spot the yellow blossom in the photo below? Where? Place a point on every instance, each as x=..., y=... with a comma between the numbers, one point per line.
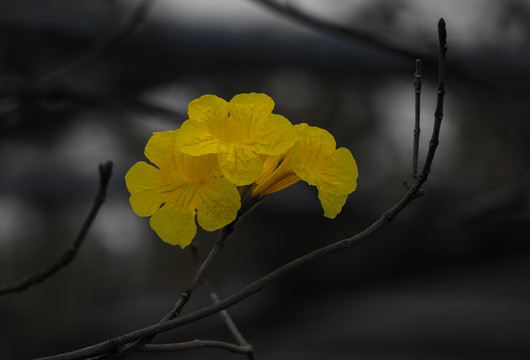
x=277, y=175
x=180, y=188
x=315, y=160
x=240, y=132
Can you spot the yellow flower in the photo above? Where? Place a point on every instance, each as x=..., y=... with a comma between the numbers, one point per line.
x=181, y=188
x=277, y=175
x=239, y=132
x=315, y=160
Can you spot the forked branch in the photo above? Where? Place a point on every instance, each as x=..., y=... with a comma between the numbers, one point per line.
x=118, y=353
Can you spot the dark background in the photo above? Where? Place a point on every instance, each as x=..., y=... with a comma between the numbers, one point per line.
x=448, y=279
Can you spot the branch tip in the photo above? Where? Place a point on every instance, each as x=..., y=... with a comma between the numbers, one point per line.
x=105, y=172
x=442, y=33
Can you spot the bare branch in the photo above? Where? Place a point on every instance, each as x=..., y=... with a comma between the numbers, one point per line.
x=105, y=172
x=197, y=344
x=242, y=347
x=251, y=289
x=415, y=151
x=230, y=324
x=184, y=297
x=438, y=113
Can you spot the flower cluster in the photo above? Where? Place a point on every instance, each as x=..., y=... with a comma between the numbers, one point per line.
x=226, y=150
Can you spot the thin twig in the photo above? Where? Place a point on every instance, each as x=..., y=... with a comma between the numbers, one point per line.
x=438, y=113
x=413, y=193
x=251, y=289
x=229, y=322
x=105, y=172
x=183, y=299
x=247, y=205
x=417, y=88
x=197, y=344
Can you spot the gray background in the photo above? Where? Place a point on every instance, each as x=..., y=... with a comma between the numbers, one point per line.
x=449, y=279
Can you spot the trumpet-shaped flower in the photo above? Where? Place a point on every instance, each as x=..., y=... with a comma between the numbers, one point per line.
x=277, y=175
x=240, y=132
x=179, y=189
x=315, y=160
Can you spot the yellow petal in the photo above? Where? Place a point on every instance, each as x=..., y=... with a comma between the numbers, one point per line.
x=340, y=171
x=217, y=204
x=277, y=175
x=208, y=109
x=195, y=138
x=238, y=131
x=252, y=123
x=174, y=225
x=147, y=202
x=160, y=149
x=248, y=108
x=147, y=188
x=332, y=202
x=274, y=136
x=195, y=169
x=182, y=187
x=199, y=135
x=313, y=145
x=142, y=176
x=333, y=171
x=240, y=164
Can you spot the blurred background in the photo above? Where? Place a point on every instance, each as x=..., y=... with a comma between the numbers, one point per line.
x=84, y=82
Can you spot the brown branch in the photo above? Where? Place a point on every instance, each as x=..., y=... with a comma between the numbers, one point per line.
x=438, y=113
x=247, y=205
x=414, y=192
x=241, y=341
x=417, y=98
x=183, y=299
x=251, y=289
x=242, y=346
x=227, y=319
x=185, y=296
x=197, y=344
x=105, y=172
